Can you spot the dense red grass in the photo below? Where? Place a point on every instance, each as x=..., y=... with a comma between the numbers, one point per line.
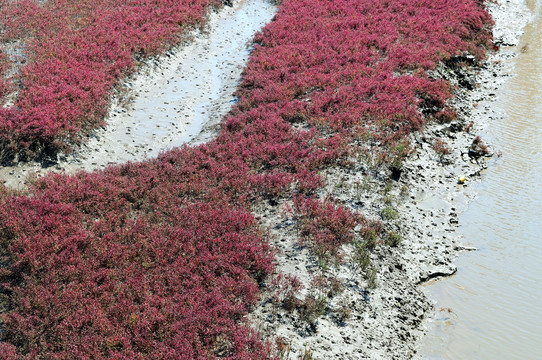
x=74, y=52
x=106, y=265
x=162, y=259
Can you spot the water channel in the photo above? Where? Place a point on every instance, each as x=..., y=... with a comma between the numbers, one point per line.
x=491, y=308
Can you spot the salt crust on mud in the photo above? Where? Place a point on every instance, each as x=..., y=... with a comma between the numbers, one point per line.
x=385, y=323
x=389, y=322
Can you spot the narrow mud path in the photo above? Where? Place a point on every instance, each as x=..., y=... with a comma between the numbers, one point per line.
x=178, y=98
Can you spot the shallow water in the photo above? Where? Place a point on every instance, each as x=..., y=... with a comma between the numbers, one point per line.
x=491, y=308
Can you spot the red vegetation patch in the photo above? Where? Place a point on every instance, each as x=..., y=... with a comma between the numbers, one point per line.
x=161, y=259
x=325, y=225
x=103, y=268
x=348, y=64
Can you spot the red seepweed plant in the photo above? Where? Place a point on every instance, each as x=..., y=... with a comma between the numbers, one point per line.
x=162, y=259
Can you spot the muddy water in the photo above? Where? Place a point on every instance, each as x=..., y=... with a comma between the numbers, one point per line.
x=172, y=100
x=491, y=309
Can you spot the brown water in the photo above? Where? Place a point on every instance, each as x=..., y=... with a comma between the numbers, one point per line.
x=492, y=307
